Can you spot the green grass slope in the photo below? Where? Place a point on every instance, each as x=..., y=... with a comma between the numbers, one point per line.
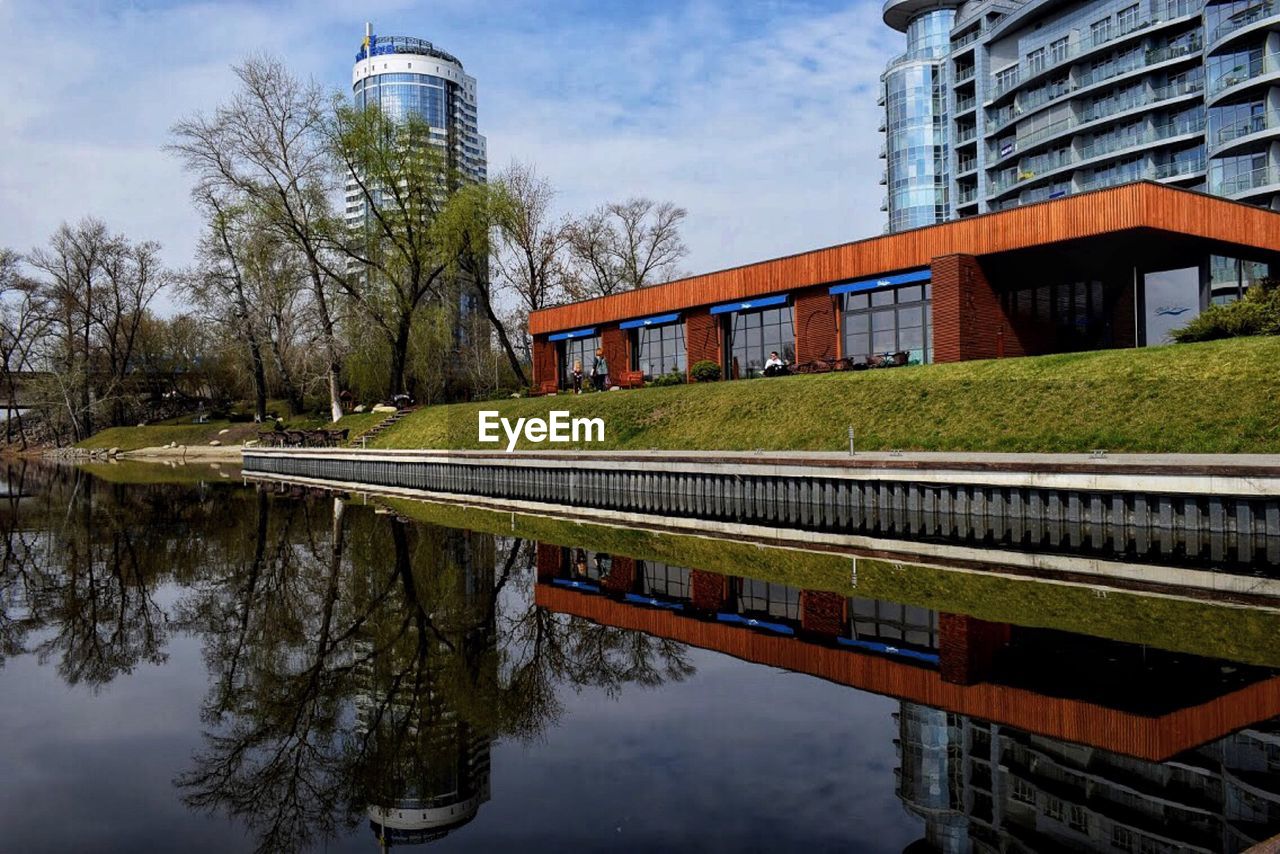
x=1216, y=397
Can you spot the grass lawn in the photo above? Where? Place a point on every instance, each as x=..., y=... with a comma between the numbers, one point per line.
x=1220, y=396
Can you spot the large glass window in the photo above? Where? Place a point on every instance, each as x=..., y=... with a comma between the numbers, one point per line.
x=888, y=321
x=753, y=335
x=661, y=579
x=657, y=350
x=763, y=597
x=1067, y=316
x=577, y=350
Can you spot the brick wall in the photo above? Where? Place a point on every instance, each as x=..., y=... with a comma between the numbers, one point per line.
x=614, y=342
x=622, y=575
x=815, y=322
x=549, y=558
x=702, y=336
x=822, y=613
x=544, y=362
x=967, y=646
x=968, y=320
x=708, y=590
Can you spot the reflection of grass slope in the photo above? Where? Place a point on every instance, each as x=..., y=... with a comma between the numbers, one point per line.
x=1222, y=396
x=127, y=472
x=1202, y=628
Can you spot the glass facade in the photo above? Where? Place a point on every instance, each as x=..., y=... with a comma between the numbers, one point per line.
x=657, y=350
x=887, y=321
x=752, y=335
x=1068, y=316
x=1067, y=98
x=916, y=124
x=1171, y=299
x=577, y=350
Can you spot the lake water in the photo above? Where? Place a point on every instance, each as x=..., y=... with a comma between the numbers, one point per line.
x=201, y=664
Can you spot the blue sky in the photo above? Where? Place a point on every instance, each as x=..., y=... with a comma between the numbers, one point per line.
x=760, y=118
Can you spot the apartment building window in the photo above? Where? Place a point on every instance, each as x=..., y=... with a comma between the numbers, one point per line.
x=1127, y=19
x=1100, y=31
x=1058, y=50
x=1036, y=61
x=1006, y=78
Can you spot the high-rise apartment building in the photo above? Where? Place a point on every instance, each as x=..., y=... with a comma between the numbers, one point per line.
x=998, y=103
x=405, y=76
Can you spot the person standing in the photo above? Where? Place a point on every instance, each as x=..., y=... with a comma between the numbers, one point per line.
x=599, y=371
x=577, y=377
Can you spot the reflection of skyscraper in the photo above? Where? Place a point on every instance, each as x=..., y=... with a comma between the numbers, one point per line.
x=985, y=787
x=429, y=759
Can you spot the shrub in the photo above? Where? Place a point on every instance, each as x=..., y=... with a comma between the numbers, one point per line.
x=670, y=378
x=1257, y=314
x=705, y=371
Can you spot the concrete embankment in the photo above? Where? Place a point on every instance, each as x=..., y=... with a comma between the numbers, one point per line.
x=1142, y=519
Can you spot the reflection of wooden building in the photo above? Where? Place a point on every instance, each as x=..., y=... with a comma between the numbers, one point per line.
x=1132, y=700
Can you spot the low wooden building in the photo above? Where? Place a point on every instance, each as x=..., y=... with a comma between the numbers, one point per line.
x=1120, y=267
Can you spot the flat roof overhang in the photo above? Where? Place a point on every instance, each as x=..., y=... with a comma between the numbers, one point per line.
x=1181, y=218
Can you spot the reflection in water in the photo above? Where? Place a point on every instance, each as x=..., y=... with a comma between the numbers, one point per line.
x=363, y=667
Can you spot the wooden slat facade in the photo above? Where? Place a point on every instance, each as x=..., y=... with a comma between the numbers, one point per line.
x=1142, y=205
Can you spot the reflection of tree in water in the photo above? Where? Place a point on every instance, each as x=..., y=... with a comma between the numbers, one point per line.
x=359, y=670
x=80, y=575
x=360, y=665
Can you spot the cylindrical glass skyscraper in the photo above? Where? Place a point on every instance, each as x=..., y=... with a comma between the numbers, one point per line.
x=916, y=131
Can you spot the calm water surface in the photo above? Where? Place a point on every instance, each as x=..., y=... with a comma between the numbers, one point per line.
x=204, y=665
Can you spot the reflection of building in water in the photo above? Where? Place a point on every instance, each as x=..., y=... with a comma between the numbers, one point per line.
x=1012, y=738
x=982, y=787
x=429, y=763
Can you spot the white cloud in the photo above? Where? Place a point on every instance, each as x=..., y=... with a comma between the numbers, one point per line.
x=759, y=119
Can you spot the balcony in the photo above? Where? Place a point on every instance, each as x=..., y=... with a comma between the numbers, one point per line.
x=1105, y=111
x=964, y=105
x=966, y=134
x=1266, y=65
x=1225, y=136
x=967, y=195
x=1245, y=182
x=966, y=164
x=1024, y=71
x=1249, y=16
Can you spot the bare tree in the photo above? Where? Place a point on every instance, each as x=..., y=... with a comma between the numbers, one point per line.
x=71, y=265
x=218, y=285
x=267, y=146
x=529, y=261
x=24, y=321
x=133, y=277
x=623, y=246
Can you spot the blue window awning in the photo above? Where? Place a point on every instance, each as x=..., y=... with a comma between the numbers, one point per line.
x=882, y=282
x=577, y=333
x=748, y=305
x=657, y=320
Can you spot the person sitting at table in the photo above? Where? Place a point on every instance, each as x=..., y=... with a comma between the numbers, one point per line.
x=774, y=366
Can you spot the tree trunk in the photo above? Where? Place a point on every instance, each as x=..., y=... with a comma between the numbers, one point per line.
x=259, y=380
x=502, y=336
x=330, y=341
x=291, y=391
x=399, y=354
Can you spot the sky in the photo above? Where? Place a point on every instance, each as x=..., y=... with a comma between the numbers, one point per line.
x=759, y=118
